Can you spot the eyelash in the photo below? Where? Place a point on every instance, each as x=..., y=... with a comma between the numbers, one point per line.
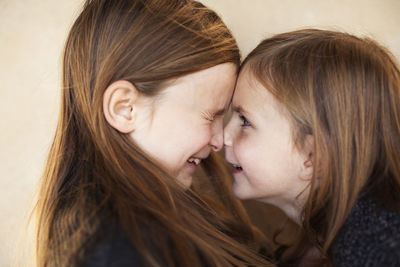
x=245, y=122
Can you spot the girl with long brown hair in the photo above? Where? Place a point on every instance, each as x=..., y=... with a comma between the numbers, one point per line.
x=144, y=88
x=316, y=132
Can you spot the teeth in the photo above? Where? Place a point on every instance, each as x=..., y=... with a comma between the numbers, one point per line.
x=194, y=160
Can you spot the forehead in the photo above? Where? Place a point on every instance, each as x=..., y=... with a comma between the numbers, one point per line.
x=249, y=91
x=209, y=87
x=251, y=96
x=215, y=74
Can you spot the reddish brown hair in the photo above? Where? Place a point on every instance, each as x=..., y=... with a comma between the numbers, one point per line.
x=96, y=176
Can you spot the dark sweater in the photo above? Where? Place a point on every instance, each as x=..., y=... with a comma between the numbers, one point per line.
x=369, y=237
x=114, y=249
x=117, y=251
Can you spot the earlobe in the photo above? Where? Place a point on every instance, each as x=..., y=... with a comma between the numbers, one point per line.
x=307, y=168
x=119, y=105
x=308, y=163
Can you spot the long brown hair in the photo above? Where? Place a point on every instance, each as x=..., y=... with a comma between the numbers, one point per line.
x=345, y=92
x=96, y=177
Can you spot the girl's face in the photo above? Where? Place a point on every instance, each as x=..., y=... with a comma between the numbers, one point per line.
x=185, y=121
x=259, y=144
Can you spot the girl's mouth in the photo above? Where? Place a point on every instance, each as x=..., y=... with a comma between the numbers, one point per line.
x=237, y=168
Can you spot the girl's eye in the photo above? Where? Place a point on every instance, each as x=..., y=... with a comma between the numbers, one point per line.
x=245, y=122
x=208, y=116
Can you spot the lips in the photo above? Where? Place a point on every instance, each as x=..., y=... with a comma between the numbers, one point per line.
x=237, y=167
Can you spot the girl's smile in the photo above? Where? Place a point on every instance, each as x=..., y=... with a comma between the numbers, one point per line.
x=180, y=127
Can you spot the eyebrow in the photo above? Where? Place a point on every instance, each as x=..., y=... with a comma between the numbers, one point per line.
x=220, y=112
x=239, y=109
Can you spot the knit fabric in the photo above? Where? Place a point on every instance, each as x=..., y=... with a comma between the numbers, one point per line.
x=115, y=252
x=370, y=237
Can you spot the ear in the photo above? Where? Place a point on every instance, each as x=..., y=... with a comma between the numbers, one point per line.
x=307, y=165
x=119, y=105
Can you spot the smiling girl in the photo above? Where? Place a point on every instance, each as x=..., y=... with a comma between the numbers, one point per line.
x=145, y=85
x=316, y=132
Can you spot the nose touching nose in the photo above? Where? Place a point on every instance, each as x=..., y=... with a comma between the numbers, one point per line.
x=221, y=136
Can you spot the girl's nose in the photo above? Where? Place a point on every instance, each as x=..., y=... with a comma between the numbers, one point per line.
x=217, y=139
x=227, y=135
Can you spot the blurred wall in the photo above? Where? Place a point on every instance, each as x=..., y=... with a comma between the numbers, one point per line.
x=32, y=34
x=254, y=20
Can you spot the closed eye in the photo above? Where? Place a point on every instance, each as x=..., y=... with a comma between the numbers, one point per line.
x=208, y=116
x=213, y=115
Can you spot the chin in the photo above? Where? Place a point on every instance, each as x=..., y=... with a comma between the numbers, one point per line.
x=237, y=192
x=185, y=181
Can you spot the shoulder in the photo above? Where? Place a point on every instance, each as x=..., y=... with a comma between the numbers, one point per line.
x=369, y=237
x=116, y=251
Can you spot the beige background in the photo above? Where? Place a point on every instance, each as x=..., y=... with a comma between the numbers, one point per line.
x=31, y=39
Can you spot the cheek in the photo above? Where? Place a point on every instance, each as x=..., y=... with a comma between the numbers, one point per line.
x=246, y=152
x=203, y=136
x=257, y=158
x=191, y=140
x=195, y=135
